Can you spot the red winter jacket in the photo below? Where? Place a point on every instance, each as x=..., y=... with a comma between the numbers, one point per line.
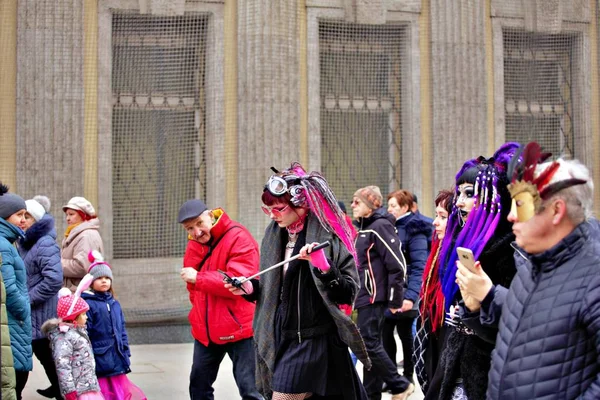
x=217, y=314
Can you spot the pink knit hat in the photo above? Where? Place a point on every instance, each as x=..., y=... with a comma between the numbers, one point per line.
x=66, y=301
x=70, y=306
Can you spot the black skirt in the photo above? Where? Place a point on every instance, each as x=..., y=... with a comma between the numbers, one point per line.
x=320, y=365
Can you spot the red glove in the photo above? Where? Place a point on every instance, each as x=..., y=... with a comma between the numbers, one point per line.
x=319, y=260
x=71, y=396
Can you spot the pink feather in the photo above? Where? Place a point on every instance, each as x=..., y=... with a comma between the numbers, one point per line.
x=298, y=170
x=341, y=229
x=85, y=283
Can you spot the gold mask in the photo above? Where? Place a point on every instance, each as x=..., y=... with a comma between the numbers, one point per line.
x=526, y=200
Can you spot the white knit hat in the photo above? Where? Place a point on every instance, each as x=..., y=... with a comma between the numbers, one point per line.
x=44, y=201
x=81, y=204
x=36, y=210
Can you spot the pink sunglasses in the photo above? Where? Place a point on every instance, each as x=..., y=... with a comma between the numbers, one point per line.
x=277, y=212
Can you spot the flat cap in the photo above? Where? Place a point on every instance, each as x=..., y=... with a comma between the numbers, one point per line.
x=191, y=209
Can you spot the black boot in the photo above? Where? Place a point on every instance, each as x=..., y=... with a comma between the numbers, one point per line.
x=50, y=392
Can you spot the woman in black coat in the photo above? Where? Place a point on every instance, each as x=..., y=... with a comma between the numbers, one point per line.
x=412, y=232
x=382, y=271
x=478, y=222
x=301, y=335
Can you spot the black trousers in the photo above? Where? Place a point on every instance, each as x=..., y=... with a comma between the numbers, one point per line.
x=205, y=367
x=404, y=328
x=370, y=323
x=21, y=381
x=43, y=352
x=432, y=364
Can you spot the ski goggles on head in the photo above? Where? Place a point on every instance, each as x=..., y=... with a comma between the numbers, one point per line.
x=277, y=186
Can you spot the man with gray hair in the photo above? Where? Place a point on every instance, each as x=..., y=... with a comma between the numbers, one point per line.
x=548, y=321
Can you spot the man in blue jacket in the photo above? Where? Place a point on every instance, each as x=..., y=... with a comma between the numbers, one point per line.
x=548, y=321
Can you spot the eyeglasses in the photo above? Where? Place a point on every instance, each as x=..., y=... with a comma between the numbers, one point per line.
x=277, y=212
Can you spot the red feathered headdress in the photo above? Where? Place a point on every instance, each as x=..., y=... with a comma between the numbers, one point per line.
x=523, y=168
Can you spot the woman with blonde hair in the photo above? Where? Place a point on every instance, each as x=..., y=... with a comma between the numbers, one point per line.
x=382, y=272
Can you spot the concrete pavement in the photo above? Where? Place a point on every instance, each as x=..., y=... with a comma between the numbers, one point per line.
x=162, y=371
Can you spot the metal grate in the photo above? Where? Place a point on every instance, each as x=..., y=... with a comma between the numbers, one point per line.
x=538, y=90
x=157, y=130
x=361, y=81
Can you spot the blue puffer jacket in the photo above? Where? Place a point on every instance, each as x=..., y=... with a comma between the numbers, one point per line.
x=548, y=343
x=413, y=233
x=41, y=255
x=17, y=299
x=595, y=228
x=429, y=223
x=106, y=329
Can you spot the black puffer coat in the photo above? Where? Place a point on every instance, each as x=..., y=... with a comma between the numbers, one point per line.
x=548, y=344
x=381, y=265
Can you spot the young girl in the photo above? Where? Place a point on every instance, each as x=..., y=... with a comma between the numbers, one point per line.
x=71, y=348
x=106, y=328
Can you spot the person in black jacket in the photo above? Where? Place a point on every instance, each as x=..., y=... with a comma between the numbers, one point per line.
x=548, y=321
x=301, y=335
x=382, y=271
x=412, y=232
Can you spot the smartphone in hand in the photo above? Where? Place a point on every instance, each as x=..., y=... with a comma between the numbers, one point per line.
x=466, y=258
x=233, y=281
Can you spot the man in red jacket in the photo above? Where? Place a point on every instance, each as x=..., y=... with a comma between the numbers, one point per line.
x=221, y=321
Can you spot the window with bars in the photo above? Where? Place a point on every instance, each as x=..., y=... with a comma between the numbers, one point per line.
x=538, y=89
x=158, y=68
x=360, y=100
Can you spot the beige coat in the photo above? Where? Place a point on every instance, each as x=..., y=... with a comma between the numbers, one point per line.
x=75, y=248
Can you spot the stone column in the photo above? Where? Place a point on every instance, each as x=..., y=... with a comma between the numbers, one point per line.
x=50, y=101
x=268, y=99
x=458, y=86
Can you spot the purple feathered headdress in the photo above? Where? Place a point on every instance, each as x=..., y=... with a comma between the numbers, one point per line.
x=492, y=204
